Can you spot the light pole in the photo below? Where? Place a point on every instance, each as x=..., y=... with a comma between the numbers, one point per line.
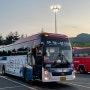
x=55, y=9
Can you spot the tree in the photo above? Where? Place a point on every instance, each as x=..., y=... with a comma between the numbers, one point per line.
x=22, y=36
x=9, y=38
x=81, y=40
x=1, y=40
x=16, y=36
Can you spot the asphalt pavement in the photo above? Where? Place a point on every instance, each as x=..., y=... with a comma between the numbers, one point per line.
x=9, y=82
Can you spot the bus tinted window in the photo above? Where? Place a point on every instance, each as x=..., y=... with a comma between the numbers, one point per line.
x=84, y=52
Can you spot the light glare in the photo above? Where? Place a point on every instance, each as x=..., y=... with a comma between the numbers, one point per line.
x=46, y=78
x=55, y=8
x=46, y=72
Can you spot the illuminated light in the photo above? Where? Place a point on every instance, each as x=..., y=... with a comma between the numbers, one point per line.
x=55, y=8
x=46, y=78
x=66, y=36
x=74, y=77
x=46, y=72
x=46, y=35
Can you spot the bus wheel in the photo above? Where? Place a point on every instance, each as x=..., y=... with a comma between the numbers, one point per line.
x=81, y=69
x=3, y=70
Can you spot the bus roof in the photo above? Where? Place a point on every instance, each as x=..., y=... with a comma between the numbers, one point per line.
x=22, y=40
x=36, y=35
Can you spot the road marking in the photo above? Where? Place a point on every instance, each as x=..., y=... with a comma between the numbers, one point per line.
x=83, y=78
x=11, y=87
x=18, y=83
x=76, y=84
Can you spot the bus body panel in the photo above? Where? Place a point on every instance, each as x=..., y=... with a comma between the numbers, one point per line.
x=56, y=74
x=29, y=73
x=15, y=65
x=85, y=61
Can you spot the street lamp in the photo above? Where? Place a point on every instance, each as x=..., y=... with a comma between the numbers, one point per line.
x=55, y=9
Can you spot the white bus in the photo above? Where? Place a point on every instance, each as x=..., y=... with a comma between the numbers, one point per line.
x=46, y=57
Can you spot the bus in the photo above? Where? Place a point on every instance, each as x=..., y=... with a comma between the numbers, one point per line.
x=82, y=59
x=45, y=57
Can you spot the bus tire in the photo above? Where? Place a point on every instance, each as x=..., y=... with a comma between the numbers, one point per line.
x=81, y=69
x=3, y=70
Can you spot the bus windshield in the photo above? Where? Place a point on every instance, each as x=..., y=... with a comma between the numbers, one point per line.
x=57, y=54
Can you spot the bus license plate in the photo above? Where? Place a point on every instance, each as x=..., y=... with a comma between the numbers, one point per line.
x=62, y=78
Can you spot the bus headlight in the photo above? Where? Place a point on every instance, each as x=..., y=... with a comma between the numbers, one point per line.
x=46, y=78
x=46, y=72
x=74, y=77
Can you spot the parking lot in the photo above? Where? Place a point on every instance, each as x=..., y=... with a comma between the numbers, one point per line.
x=8, y=82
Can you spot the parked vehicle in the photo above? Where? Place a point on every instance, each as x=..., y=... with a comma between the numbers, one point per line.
x=82, y=59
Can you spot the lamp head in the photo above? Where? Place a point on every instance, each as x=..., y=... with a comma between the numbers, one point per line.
x=55, y=8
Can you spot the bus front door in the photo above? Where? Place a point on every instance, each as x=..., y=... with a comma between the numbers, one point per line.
x=37, y=72
x=37, y=66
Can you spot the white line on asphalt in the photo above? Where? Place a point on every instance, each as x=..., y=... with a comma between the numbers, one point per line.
x=83, y=78
x=76, y=84
x=11, y=87
x=18, y=83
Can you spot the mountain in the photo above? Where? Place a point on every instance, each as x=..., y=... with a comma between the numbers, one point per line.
x=82, y=38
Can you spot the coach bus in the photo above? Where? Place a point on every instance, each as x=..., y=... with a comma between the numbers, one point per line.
x=82, y=59
x=46, y=57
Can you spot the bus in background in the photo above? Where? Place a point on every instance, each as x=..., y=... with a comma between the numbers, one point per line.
x=82, y=59
x=46, y=57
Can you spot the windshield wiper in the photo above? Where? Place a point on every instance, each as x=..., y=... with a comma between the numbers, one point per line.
x=64, y=59
x=61, y=61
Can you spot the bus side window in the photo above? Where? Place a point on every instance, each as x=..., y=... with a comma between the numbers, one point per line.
x=89, y=55
x=73, y=54
x=77, y=55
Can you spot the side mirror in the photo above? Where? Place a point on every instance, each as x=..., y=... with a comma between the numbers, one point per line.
x=41, y=44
